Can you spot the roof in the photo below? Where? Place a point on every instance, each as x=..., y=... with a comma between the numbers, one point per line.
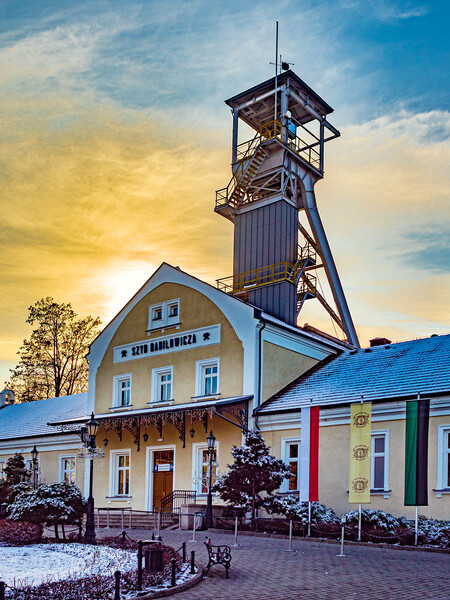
x=30, y=419
x=388, y=372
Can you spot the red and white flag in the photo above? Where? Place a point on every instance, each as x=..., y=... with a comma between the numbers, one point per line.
x=309, y=454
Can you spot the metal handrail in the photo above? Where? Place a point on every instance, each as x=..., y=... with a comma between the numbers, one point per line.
x=241, y=282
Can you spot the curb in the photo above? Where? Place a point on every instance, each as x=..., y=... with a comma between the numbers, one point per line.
x=386, y=546
x=174, y=590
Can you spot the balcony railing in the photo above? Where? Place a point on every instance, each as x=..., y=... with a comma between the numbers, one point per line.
x=243, y=282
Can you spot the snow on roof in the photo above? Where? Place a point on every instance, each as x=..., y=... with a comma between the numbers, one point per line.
x=30, y=419
x=382, y=372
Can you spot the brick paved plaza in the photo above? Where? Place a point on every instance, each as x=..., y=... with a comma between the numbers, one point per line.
x=262, y=570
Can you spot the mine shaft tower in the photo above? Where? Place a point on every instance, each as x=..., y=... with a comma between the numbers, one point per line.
x=273, y=178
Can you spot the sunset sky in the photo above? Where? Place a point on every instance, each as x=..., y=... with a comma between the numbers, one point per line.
x=115, y=137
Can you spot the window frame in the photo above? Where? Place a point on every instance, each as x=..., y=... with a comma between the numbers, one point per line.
x=197, y=462
x=62, y=471
x=200, y=377
x=377, y=434
x=155, y=385
x=117, y=380
x=443, y=477
x=114, y=456
x=285, y=445
x=166, y=319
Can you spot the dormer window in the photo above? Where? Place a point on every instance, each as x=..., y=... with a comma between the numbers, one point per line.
x=172, y=310
x=157, y=314
x=165, y=314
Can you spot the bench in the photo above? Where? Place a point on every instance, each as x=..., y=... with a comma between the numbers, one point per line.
x=218, y=555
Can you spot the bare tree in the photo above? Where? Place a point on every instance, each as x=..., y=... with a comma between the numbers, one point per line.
x=53, y=360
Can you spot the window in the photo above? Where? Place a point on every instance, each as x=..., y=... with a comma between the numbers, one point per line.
x=122, y=390
x=207, y=377
x=120, y=473
x=67, y=469
x=443, y=482
x=165, y=314
x=162, y=379
x=290, y=453
x=201, y=467
x=29, y=467
x=2, y=470
x=379, y=461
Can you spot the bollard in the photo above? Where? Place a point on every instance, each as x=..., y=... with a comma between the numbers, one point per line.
x=122, y=520
x=193, y=529
x=343, y=520
x=159, y=525
x=123, y=534
x=173, y=572
x=290, y=538
x=2, y=590
x=117, y=586
x=139, y=557
x=359, y=523
x=235, y=532
x=192, y=562
x=183, y=549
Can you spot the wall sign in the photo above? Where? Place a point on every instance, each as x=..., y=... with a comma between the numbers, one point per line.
x=196, y=338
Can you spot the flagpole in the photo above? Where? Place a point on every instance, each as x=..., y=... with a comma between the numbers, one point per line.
x=417, y=526
x=309, y=518
x=359, y=524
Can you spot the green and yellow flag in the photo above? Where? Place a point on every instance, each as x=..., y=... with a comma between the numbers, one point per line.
x=360, y=430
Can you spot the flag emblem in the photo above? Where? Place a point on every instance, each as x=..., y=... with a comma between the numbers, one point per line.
x=361, y=419
x=360, y=452
x=360, y=485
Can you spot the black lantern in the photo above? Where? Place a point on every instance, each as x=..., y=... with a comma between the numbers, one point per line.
x=211, y=441
x=92, y=426
x=34, y=466
x=145, y=437
x=192, y=433
x=105, y=442
x=34, y=454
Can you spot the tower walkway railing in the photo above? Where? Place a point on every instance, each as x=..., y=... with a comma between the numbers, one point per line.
x=250, y=155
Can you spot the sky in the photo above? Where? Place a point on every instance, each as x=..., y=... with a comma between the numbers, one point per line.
x=114, y=138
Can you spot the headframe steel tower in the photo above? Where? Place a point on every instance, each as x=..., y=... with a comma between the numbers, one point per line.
x=273, y=178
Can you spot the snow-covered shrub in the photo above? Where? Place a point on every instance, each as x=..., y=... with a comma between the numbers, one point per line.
x=377, y=521
x=52, y=503
x=433, y=531
x=21, y=533
x=296, y=509
x=253, y=476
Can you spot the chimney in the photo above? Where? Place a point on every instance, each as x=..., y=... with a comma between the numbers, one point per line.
x=379, y=341
x=6, y=397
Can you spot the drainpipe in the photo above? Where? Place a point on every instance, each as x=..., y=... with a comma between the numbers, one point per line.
x=261, y=325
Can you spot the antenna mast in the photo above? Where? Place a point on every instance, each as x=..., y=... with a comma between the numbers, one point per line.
x=276, y=70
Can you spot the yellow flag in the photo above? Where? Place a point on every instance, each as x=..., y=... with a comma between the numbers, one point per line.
x=360, y=428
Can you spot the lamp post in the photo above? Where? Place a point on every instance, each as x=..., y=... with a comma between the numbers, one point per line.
x=34, y=465
x=91, y=432
x=208, y=516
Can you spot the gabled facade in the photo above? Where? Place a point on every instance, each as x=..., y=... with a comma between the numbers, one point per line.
x=183, y=358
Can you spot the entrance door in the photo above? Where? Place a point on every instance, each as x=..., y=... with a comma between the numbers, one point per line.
x=162, y=476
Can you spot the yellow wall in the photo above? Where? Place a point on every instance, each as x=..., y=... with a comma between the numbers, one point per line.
x=195, y=311
x=280, y=367
x=49, y=465
x=334, y=449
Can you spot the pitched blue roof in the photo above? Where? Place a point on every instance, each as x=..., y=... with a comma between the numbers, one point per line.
x=30, y=419
x=382, y=372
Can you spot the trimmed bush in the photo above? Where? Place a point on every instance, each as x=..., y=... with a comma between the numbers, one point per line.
x=19, y=533
x=297, y=510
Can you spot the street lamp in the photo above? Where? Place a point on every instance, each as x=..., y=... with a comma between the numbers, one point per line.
x=91, y=431
x=208, y=516
x=34, y=465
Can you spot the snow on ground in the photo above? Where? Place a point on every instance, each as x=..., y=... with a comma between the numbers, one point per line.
x=31, y=565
